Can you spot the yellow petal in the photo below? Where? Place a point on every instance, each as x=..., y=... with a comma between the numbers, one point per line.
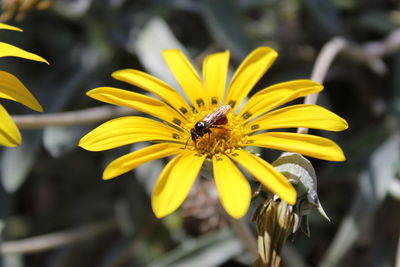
x=8, y=27
x=9, y=133
x=186, y=76
x=266, y=175
x=132, y=160
x=128, y=130
x=308, y=145
x=12, y=88
x=7, y=50
x=174, y=183
x=140, y=102
x=307, y=116
x=215, y=70
x=233, y=188
x=155, y=86
x=248, y=74
x=277, y=95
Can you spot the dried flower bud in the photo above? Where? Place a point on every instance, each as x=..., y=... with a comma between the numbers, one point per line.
x=275, y=219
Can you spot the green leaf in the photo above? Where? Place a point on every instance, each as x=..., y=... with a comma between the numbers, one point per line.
x=16, y=162
x=223, y=21
x=323, y=16
x=60, y=140
x=209, y=250
x=72, y=9
x=154, y=37
x=374, y=184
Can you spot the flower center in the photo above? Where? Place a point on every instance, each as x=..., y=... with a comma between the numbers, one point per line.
x=215, y=138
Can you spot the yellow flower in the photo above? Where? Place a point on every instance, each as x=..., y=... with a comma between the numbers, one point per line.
x=13, y=89
x=224, y=145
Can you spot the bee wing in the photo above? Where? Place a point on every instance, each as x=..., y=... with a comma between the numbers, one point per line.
x=218, y=116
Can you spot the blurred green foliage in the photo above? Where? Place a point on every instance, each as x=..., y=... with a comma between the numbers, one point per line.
x=50, y=185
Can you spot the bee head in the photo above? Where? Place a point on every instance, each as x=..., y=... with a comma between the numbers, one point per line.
x=200, y=126
x=194, y=134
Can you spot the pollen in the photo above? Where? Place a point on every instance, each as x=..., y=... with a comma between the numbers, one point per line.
x=222, y=139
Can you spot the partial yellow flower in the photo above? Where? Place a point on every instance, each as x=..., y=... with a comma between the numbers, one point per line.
x=20, y=8
x=13, y=89
x=224, y=136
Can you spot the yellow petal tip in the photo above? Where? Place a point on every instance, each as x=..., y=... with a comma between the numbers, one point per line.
x=82, y=143
x=38, y=108
x=159, y=213
x=91, y=93
x=341, y=157
x=267, y=49
x=38, y=59
x=9, y=27
x=117, y=73
x=106, y=176
x=111, y=172
x=346, y=125
x=292, y=200
x=290, y=197
x=159, y=216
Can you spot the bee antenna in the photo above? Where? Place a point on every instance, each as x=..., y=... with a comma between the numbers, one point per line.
x=187, y=141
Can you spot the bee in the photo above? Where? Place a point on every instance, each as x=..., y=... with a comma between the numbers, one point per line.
x=213, y=120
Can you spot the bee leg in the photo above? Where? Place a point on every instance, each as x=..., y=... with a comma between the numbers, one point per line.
x=208, y=132
x=219, y=127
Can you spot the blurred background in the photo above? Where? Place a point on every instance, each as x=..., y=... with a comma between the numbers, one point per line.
x=54, y=202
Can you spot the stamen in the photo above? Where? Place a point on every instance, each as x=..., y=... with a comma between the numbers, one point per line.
x=183, y=110
x=232, y=103
x=176, y=136
x=200, y=102
x=246, y=115
x=255, y=127
x=177, y=121
x=222, y=139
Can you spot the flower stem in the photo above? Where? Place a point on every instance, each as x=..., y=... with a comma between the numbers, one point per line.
x=243, y=231
x=369, y=54
x=80, y=117
x=245, y=234
x=58, y=239
x=321, y=66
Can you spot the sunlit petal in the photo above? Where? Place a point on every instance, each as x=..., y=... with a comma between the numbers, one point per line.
x=186, y=76
x=248, y=74
x=146, y=104
x=174, y=183
x=308, y=145
x=128, y=130
x=277, y=95
x=155, y=86
x=215, y=70
x=307, y=116
x=233, y=188
x=132, y=160
x=9, y=133
x=7, y=50
x=266, y=174
x=12, y=88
